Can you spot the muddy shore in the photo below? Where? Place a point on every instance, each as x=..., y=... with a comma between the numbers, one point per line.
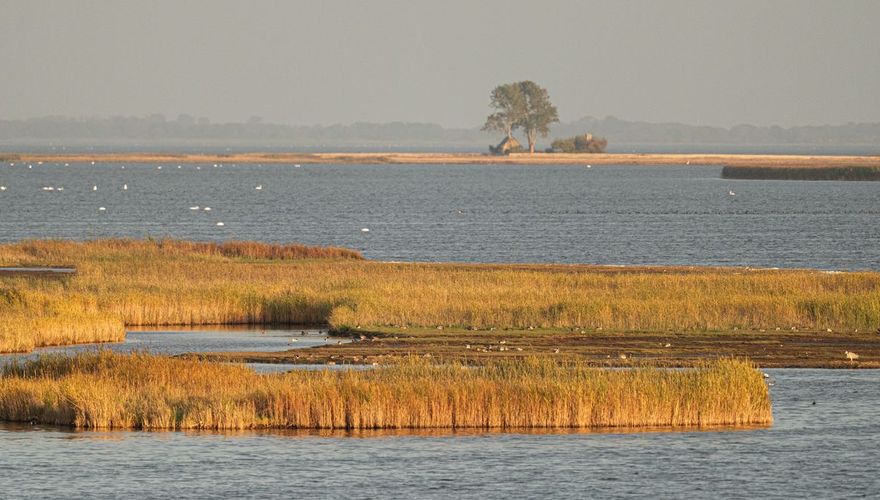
x=777, y=349
x=745, y=160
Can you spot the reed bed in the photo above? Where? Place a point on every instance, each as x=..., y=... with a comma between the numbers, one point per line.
x=142, y=391
x=804, y=173
x=153, y=283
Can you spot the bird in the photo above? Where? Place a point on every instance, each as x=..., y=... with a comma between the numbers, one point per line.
x=297, y=165
x=622, y=356
x=60, y=189
x=94, y=188
x=221, y=224
x=259, y=188
x=365, y=230
x=159, y=167
x=851, y=356
x=589, y=166
x=294, y=340
x=125, y=187
x=101, y=209
x=556, y=351
x=207, y=209
x=194, y=208
x=731, y=193
x=2, y=188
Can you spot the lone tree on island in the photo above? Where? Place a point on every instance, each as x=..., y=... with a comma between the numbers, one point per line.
x=523, y=105
x=540, y=112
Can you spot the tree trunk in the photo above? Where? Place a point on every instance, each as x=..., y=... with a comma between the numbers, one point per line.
x=533, y=136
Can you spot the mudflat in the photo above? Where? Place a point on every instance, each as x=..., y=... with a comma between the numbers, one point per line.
x=745, y=160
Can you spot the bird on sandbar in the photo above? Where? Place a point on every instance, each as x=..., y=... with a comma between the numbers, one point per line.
x=851, y=356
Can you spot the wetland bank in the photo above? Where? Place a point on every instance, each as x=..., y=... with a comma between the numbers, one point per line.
x=512, y=376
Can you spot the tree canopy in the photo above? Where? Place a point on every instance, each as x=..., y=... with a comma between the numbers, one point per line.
x=510, y=104
x=540, y=112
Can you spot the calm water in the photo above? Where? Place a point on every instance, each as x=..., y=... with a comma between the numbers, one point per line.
x=603, y=215
x=194, y=340
x=830, y=449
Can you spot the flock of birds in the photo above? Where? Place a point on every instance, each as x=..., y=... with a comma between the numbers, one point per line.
x=60, y=189
x=258, y=187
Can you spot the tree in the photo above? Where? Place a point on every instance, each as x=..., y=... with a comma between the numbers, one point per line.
x=510, y=104
x=539, y=112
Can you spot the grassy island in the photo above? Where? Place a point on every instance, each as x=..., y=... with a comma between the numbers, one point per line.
x=104, y=390
x=676, y=315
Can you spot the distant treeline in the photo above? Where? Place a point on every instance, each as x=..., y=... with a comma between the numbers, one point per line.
x=188, y=129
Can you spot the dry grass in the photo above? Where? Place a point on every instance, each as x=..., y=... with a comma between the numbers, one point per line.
x=177, y=283
x=105, y=390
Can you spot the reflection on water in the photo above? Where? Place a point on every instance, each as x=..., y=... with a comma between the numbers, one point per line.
x=827, y=449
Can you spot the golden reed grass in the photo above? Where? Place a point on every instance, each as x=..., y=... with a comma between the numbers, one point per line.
x=132, y=282
x=142, y=391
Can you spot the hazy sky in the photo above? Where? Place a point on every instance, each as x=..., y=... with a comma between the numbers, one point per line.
x=320, y=62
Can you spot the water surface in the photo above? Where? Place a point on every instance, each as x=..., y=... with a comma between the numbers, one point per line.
x=828, y=449
x=474, y=213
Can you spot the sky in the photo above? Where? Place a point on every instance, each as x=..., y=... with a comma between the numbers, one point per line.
x=702, y=62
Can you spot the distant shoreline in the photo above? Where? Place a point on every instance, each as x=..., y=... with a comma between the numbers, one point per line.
x=732, y=160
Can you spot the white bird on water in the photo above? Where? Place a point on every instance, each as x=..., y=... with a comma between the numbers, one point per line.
x=731, y=193
x=365, y=230
x=194, y=208
x=94, y=188
x=221, y=224
x=2, y=188
x=125, y=187
x=102, y=209
x=259, y=188
x=207, y=209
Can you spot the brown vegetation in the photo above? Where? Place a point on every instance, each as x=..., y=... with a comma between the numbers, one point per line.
x=124, y=282
x=105, y=390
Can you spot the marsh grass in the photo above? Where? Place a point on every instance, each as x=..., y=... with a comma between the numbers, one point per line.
x=153, y=283
x=142, y=391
